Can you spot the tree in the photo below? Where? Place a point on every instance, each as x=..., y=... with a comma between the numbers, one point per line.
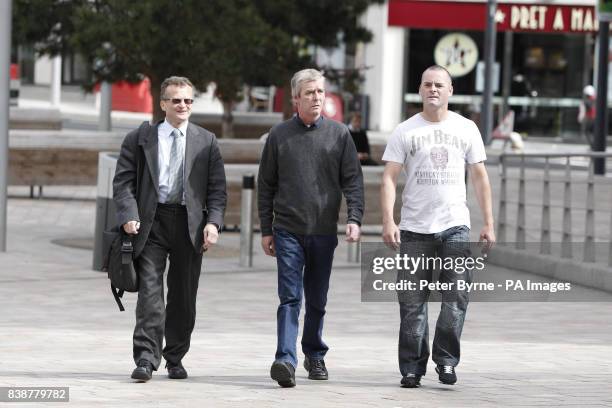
x=221, y=41
x=45, y=23
x=126, y=39
x=232, y=43
x=311, y=24
x=245, y=55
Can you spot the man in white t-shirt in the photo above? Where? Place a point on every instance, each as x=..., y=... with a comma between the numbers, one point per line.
x=433, y=148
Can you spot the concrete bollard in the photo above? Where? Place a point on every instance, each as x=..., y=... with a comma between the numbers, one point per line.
x=106, y=101
x=353, y=252
x=246, y=221
x=105, y=208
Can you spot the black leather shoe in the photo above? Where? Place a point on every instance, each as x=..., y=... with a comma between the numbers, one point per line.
x=176, y=371
x=316, y=368
x=143, y=371
x=283, y=373
x=411, y=381
x=446, y=374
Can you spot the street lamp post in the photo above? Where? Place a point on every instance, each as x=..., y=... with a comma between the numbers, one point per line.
x=601, y=116
x=5, y=62
x=487, y=98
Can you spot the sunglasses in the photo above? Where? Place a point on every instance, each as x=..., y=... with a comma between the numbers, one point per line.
x=177, y=101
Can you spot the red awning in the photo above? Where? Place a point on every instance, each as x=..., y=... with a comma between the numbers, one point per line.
x=523, y=17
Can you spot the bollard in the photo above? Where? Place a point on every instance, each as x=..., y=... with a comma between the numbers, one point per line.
x=15, y=85
x=106, y=101
x=354, y=252
x=246, y=221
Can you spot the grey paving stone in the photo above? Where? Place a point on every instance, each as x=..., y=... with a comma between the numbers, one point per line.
x=59, y=326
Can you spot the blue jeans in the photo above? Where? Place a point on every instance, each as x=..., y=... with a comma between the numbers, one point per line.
x=304, y=263
x=414, y=329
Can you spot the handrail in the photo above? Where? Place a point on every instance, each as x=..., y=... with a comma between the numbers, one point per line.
x=572, y=182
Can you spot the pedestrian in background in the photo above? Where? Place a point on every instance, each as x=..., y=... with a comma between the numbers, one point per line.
x=360, y=138
x=587, y=112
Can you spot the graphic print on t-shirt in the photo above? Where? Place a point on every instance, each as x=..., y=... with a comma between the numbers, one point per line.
x=439, y=157
x=441, y=169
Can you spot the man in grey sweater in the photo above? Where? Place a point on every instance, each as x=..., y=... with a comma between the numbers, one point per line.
x=308, y=162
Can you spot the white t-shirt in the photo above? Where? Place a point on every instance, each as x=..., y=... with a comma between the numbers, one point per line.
x=434, y=155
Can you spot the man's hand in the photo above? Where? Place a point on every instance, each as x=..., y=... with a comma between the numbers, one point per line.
x=487, y=234
x=211, y=236
x=391, y=235
x=353, y=232
x=267, y=243
x=131, y=227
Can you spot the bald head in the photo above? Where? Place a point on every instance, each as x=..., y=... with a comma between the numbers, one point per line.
x=438, y=68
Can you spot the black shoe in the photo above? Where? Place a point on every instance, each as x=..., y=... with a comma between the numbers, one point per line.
x=411, y=381
x=176, y=371
x=316, y=368
x=144, y=371
x=446, y=374
x=283, y=373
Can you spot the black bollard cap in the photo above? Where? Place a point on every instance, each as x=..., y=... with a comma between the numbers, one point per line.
x=248, y=182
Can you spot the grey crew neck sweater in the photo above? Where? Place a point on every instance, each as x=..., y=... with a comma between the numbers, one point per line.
x=302, y=175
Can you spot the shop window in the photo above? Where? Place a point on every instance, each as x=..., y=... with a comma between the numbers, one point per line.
x=557, y=61
x=534, y=57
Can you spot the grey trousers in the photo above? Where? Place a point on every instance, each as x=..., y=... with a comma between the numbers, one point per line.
x=168, y=239
x=413, y=350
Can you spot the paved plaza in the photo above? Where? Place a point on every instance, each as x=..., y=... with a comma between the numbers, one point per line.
x=60, y=326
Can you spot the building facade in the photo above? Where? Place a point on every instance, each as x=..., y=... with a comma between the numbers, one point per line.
x=544, y=58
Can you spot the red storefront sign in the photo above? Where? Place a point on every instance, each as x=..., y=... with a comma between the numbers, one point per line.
x=455, y=15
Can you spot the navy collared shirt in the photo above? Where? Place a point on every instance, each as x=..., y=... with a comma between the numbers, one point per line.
x=315, y=125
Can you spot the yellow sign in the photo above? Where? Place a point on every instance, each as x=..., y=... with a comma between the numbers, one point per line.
x=457, y=53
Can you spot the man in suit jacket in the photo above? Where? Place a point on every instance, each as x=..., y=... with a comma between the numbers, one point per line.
x=170, y=193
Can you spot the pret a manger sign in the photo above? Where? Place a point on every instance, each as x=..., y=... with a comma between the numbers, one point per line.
x=543, y=16
x=546, y=18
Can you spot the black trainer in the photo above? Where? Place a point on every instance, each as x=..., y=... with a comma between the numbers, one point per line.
x=176, y=371
x=316, y=368
x=411, y=381
x=143, y=371
x=446, y=374
x=283, y=373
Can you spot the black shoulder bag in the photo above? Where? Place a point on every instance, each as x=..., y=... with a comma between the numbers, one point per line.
x=119, y=263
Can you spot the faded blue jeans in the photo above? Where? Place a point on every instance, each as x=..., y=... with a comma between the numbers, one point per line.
x=304, y=263
x=414, y=329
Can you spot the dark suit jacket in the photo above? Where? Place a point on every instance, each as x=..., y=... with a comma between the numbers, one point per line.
x=136, y=182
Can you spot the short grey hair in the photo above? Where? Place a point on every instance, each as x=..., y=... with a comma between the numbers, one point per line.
x=305, y=75
x=176, y=81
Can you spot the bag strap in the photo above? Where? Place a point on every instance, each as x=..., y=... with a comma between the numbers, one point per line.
x=127, y=253
x=127, y=250
x=118, y=294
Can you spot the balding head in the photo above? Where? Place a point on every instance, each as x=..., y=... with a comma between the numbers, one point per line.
x=438, y=68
